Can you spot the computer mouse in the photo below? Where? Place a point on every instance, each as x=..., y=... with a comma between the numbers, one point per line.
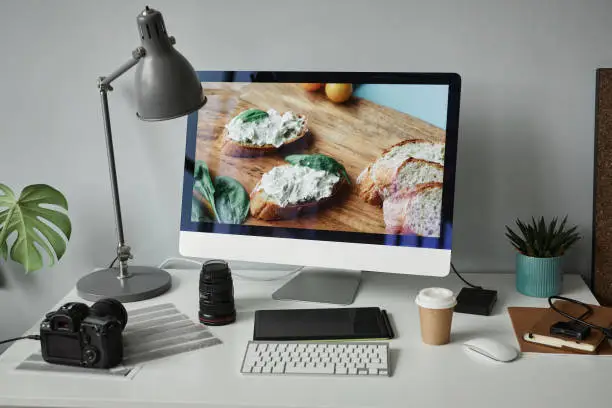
x=491, y=349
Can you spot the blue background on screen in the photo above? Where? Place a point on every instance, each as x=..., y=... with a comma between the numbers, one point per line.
x=426, y=102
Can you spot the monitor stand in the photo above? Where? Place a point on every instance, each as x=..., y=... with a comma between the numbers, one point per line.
x=335, y=286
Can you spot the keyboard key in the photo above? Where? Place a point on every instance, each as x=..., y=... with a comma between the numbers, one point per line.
x=309, y=370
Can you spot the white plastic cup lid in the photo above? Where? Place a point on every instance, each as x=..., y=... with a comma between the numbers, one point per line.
x=436, y=298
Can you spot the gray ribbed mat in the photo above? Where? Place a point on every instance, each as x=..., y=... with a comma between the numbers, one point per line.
x=151, y=333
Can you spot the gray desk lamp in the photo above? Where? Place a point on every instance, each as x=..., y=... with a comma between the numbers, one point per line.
x=167, y=87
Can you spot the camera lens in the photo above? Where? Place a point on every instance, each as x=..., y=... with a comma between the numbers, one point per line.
x=222, y=309
x=216, y=294
x=110, y=307
x=215, y=271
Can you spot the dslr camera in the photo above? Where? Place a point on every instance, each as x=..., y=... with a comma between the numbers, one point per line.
x=79, y=335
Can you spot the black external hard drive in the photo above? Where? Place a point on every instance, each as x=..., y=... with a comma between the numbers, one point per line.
x=476, y=301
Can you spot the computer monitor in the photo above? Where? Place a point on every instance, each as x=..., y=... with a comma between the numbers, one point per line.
x=334, y=170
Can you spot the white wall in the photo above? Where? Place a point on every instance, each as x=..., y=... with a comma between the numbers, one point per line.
x=527, y=115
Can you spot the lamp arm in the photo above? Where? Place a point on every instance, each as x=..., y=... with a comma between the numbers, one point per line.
x=123, y=250
x=104, y=82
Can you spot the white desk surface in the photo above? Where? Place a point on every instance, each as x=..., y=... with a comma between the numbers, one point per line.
x=422, y=376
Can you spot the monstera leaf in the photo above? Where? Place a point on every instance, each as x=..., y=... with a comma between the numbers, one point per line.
x=30, y=217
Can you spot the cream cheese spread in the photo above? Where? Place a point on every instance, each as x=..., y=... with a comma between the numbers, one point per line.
x=288, y=185
x=275, y=129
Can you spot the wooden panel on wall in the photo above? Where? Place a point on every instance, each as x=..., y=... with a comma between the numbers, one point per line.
x=602, y=217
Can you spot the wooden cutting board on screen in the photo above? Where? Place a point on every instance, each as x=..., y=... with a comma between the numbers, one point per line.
x=354, y=133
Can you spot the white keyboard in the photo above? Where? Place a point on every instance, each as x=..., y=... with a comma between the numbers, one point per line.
x=339, y=358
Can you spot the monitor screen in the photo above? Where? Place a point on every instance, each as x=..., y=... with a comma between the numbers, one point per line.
x=348, y=157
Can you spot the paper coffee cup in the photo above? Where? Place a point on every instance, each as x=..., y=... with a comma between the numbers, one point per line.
x=436, y=314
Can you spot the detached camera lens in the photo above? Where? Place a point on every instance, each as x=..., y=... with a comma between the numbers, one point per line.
x=216, y=294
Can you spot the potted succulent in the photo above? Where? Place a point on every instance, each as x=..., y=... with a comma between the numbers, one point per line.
x=32, y=225
x=541, y=247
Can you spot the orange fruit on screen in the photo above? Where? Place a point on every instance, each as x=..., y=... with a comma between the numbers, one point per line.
x=339, y=92
x=311, y=87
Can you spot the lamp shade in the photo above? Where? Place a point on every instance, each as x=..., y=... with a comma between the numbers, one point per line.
x=167, y=86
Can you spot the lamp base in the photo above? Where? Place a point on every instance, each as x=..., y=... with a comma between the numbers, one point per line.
x=144, y=282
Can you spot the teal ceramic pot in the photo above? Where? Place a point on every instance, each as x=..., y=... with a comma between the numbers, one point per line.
x=538, y=277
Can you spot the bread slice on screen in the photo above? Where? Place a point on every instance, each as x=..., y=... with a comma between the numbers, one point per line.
x=403, y=165
x=254, y=133
x=414, y=211
x=287, y=191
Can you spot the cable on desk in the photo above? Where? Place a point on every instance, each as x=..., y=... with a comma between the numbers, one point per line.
x=30, y=337
x=113, y=263
x=234, y=270
x=274, y=278
x=167, y=261
x=605, y=330
x=464, y=281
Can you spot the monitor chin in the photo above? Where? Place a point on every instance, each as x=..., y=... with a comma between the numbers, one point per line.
x=320, y=254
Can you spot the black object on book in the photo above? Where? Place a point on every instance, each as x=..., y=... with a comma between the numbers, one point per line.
x=322, y=324
x=476, y=301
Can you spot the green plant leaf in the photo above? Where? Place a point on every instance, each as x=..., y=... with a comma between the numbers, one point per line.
x=518, y=241
x=231, y=200
x=199, y=212
x=562, y=226
x=542, y=239
x=25, y=216
x=528, y=234
x=204, y=192
x=541, y=233
x=551, y=232
x=523, y=229
x=252, y=115
x=319, y=162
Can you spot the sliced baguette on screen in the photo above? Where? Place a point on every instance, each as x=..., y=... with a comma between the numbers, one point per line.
x=407, y=175
x=414, y=211
x=404, y=164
